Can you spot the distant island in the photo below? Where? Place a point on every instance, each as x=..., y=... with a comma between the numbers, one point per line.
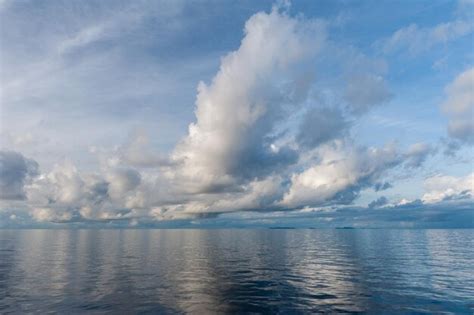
x=282, y=228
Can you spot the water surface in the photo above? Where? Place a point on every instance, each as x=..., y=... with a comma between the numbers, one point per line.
x=236, y=271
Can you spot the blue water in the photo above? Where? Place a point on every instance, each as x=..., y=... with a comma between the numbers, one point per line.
x=236, y=271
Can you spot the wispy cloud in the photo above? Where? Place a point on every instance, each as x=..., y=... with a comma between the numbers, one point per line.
x=416, y=39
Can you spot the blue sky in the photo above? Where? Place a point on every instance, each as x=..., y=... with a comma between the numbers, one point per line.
x=236, y=113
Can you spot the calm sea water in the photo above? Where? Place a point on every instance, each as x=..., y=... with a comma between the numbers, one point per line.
x=236, y=271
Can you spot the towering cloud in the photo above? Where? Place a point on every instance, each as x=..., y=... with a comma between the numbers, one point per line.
x=256, y=86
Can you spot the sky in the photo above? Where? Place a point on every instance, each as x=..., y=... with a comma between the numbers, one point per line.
x=212, y=114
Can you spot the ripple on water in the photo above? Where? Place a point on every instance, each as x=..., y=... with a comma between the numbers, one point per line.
x=236, y=271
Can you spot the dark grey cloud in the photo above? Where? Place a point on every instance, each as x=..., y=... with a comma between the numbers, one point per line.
x=377, y=203
x=445, y=214
x=15, y=171
x=382, y=186
x=321, y=125
x=97, y=192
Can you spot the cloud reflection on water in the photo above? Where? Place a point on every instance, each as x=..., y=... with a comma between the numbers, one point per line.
x=222, y=271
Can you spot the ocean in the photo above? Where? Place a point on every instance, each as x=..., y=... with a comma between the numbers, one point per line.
x=236, y=271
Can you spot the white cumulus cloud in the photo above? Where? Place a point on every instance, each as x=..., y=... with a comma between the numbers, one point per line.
x=443, y=187
x=237, y=112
